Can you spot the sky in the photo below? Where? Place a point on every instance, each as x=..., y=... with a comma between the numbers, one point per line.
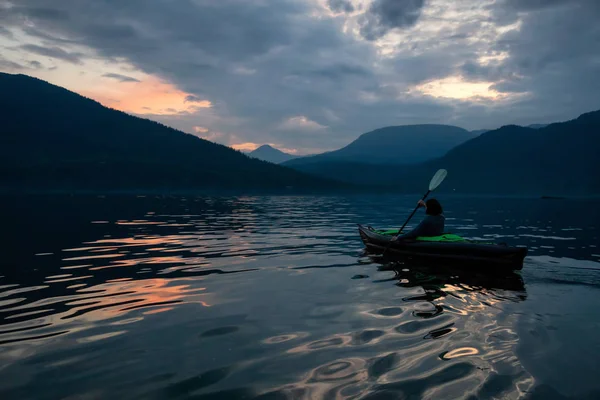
x=308, y=76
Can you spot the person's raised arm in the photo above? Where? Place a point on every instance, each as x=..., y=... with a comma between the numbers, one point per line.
x=419, y=230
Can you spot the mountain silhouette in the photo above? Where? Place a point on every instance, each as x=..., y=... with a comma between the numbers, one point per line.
x=54, y=139
x=51, y=138
x=560, y=158
x=478, y=132
x=557, y=158
x=271, y=154
x=404, y=144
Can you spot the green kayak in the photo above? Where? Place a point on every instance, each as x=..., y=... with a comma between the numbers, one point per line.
x=445, y=248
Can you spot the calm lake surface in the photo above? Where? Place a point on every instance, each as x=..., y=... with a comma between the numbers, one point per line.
x=125, y=297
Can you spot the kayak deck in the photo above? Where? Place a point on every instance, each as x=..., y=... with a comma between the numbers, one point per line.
x=447, y=248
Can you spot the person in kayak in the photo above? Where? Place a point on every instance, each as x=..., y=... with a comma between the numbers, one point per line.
x=432, y=224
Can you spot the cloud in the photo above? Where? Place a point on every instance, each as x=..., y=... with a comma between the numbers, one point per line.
x=244, y=71
x=276, y=71
x=5, y=32
x=35, y=64
x=550, y=56
x=301, y=123
x=53, y=52
x=10, y=65
x=151, y=96
x=529, y=5
x=42, y=13
x=386, y=15
x=338, y=71
x=246, y=147
x=193, y=99
x=197, y=101
x=121, y=78
x=457, y=88
x=339, y=6
x=200, y=129
x=284, y=149
x=215, y=136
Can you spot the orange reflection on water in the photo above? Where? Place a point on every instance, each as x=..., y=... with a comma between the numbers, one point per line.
x=111, y=299
x=476, y=299
x=460, y=352
x=158, y=310
x=141, y=241
x=137, y=261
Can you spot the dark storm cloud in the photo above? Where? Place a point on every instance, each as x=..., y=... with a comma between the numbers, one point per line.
x=45, y=36
x=385, y=15
x=495, y=71
x=121, y=78
x=54, y=52
x=527, y=5
x=41, y=13
x=338, y=72
x=261, y=63
x=340, y=6
x=554, y=55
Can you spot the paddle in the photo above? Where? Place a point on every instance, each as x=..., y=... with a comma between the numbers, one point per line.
x=436, y=181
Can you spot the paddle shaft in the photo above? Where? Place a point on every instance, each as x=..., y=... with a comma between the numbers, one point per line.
x=409, y=218
x=413, y=213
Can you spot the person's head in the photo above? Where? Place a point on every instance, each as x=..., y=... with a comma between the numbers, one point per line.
x=433, y=207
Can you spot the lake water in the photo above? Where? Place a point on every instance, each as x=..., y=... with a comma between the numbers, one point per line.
x=126, y=297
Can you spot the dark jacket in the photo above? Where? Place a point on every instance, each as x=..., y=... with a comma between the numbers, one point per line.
x=432, y=225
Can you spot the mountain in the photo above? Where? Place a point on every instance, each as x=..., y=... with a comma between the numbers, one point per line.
x=537, y=126
x=478, y=132
x=558, y=158
x=51, y=138
x=271, y=154
x=404, y=144
x=561, y=158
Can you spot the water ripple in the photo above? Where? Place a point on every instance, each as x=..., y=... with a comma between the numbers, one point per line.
x=273, y=297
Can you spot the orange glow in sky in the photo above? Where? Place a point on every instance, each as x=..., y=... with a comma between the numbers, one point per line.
x=150, y=96
x=245, y=146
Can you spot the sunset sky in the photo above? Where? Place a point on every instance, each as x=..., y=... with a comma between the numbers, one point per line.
x=311, y=75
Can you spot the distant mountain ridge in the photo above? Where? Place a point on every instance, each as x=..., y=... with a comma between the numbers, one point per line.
x=560, y=158
x=557, y=158
x=533, y=126
x=51, y=138
x=54, y=139
x=270, y=154
x=403, y=144
x=537, y=126
x=479, y=131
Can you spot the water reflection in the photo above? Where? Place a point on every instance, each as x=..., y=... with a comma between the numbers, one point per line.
x=267, y=297
x=440, y=282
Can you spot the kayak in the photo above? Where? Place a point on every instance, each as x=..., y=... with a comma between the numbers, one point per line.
x=448, y=248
